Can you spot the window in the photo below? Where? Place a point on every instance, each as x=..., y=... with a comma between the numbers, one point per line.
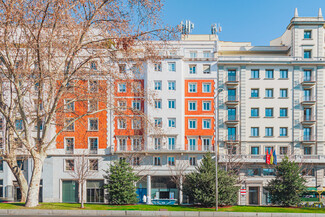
x=206, y=69
x=71, y=126
x=93, y=145
x=39, y=126
x=206, y=88
x=136, y=124
x=307, y=54
x=93, y=164
x=283, y=131
x=307, y=34
x=255, y=73
x=307, y=75
x=121, y=124
x=254, y=93
x=92, y=105
x=171, y=85
x=136, y=161
x=206, y=123
x=253, y=172
x=268, y=131
x=308, y=172
x=172, y=103
x=283, y=93
x=254, y=131
x=192, y=161
x=192, y=144
x=192, y=124
x=232, y=75
x=172, y=67
x=283, y=150
x=269, y=93
x=95, y=191
x=158, y=122
x=1, y=187
x=254, y=112
x=171, y=143
x=192, y=105
x=122, y=105
x=136, y=144
x=1, y=124
x=158, y=103
x=158, y=67
x=206, y=144
x=192, y=69
x=122, y=87
x=157, y=143
x=193, y=54
x=122, y=144
x=206, y=105
x=157, y=85
x=93, y=86
x=283, y=73
x=157, y=161
x=1, y=143
x=171, y=161
x=172, y=122
x=93, y=124
x=136, y=105
x=69, y=165
x=269, y=74
x=307, y=150
x=136, y=87
x=192, y=87
x=1, y=168
x=268, y=172
x=206, y=54
x=269, y=112
x=69, y=105
x=255, y=150
x=283, y=112
x=122, y=68
x=69, y=145
x=93, y=65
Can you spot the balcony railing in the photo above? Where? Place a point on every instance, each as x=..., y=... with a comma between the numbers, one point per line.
x=69, y=151
x=232, y=99
x=232, y=79
x=232, y=119
x=93, y=151
x=232, y=138
x=308, y=80
x=308, y=139
x=308, y=119
x=308, y=100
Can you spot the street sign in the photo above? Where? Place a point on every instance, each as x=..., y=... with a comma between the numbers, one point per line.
x=243, y=191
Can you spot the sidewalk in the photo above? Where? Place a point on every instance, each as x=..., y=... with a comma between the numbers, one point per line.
x=42, y=212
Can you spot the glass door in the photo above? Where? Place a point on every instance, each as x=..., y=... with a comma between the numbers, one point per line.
x=231, y=94
x=232, y=133
x=307, y=133
x=231, y=114
x=307, y=114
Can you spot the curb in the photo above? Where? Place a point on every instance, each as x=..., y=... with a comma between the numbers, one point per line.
x=42, y=212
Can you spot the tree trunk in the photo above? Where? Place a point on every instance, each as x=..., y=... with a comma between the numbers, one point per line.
x=33, y=191
x=22, y=182
x=82, y=196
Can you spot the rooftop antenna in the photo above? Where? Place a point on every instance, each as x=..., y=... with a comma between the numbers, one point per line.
x=187, y=27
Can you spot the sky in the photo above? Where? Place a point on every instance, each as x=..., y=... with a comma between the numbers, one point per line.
x=256, y=21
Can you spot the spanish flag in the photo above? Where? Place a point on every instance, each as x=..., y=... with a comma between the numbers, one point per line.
x=271, y=158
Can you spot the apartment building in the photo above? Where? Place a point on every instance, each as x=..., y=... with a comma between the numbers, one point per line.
x=209, y=95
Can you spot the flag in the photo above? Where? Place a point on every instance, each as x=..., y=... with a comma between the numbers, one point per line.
x=267, y=157
x=271, y=158
x=275, y=158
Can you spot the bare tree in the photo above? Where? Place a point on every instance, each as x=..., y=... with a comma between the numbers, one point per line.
x=49, y=48
x=83, y=168
x=178, y=174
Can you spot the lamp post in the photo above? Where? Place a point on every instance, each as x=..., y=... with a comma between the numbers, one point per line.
x=216, y=105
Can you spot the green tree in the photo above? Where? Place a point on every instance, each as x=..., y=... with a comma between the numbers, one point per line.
x=288, y=185
x=120, y=183
x=200, y=185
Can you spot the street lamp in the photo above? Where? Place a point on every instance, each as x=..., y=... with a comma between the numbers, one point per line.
x=216, y=105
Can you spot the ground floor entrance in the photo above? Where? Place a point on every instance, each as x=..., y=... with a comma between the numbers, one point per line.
x=253, y=195
x=69, y=191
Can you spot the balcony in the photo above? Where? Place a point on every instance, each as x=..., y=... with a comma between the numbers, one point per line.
x=308, y=81
x=232, y=80
x=232, y=119
x=308, y=139
x=308, y=119
x=93, y=151
x=232, y=100
x=233, y=139
x=308, y=100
